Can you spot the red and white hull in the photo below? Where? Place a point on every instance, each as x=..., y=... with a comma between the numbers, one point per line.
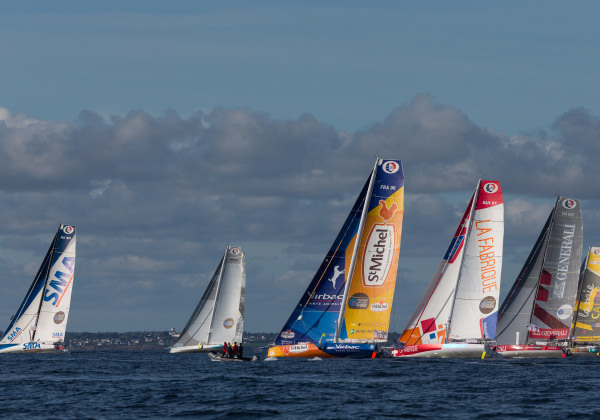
x=444, y=351
x=530, y=351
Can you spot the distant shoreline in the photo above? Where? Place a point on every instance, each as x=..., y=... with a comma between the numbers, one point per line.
x=152, y=340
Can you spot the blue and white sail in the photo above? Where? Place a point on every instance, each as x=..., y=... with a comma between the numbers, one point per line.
x=41, y=320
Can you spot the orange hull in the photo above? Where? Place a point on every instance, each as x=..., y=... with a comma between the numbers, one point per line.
x=297, y=350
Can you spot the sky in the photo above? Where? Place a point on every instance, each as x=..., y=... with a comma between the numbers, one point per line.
x=166, y=131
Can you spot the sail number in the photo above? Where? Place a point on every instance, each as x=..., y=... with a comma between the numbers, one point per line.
x=489, y=203
x=387, y=187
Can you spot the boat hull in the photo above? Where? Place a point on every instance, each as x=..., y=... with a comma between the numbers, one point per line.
x=28, y=348
x=443, y=351
x=195, y=349
x=585, y=351
x=530, y=351
x=216, y=357
x=330, y=350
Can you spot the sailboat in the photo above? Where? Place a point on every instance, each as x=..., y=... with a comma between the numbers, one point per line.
x=219, y=316
x=346, y=308
x=456, y=317
x=535, y=317
x=586, y=322
x=40, y=323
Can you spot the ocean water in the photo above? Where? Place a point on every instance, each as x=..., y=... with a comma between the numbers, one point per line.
x=81, y=385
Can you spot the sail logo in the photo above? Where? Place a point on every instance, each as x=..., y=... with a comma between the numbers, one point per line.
x=380, y=306
x=235, y=251
x=336, y=274
x=358, y=301
x=390, y=167
x=60, y=281
x=569, y=204
x=564, y=312
x=596, y=251
x=564, y=259
x=228, y=323
x=14, y=334
x=59, y=317
x=287, y=334
x=490, y=187
x=378, y=255
x=487, y=257
x=487, y=305
x=68, y=229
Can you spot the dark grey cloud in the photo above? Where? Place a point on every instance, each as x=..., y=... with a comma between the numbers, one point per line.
x=157, y=198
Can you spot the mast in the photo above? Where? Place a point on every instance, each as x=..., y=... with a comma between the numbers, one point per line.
x=37, y=317
x=212, y=315
x=350, y=273
x=467, y=236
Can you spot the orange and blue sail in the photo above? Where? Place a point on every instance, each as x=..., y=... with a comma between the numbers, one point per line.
x=311, y=328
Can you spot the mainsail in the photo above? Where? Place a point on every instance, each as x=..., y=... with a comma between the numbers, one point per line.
x=349, y=300
x=219, y=316
x=538, y=309
x=586, y=323
x=41, y=320
x=460, y=303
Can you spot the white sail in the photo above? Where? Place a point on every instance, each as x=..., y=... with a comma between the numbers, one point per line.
x=41, y=319
x=219, y=316
x=479, y=276
x=459, y=307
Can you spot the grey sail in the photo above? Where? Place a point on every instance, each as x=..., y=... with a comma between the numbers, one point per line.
x=540, y=305
x=219, y=316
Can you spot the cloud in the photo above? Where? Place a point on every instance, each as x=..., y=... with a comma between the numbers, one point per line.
x=156, y=198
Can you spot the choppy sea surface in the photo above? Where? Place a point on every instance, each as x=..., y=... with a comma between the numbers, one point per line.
x=80, y=385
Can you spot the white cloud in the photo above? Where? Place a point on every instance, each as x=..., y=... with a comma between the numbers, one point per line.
x=156, y=198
